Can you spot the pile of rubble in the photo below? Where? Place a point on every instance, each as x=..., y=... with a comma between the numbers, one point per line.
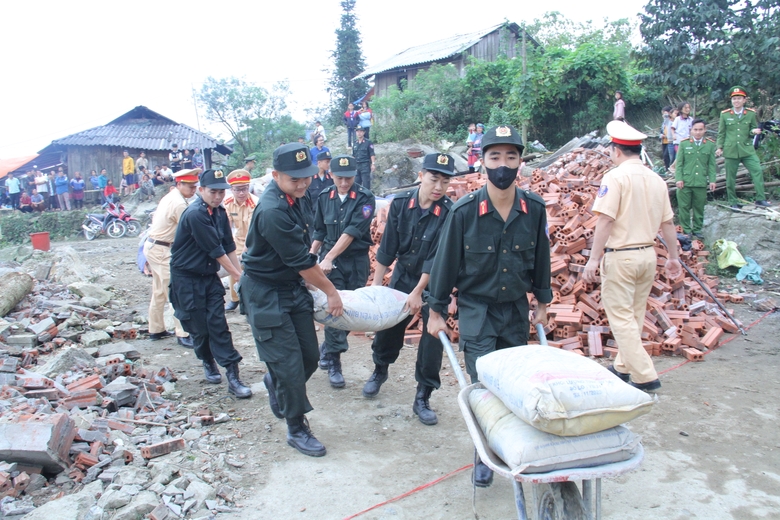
x=81, y=414
x=681, y=319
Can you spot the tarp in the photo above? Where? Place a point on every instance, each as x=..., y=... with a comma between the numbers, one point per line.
x=9, y=165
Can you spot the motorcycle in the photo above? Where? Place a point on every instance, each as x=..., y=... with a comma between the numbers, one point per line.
x=109, y=223
x=132, y=223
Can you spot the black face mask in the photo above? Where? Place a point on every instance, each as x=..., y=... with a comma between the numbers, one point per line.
x=502, y=177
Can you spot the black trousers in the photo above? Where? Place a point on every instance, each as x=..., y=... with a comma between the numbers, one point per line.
x=363, y=176
x=387, y=345
x=289, y=348
x=350, y=273
x=199, y=303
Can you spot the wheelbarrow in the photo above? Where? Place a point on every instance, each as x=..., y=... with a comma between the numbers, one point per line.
x=555, y=493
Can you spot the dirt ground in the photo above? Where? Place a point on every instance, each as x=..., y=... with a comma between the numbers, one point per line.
x=712, y=448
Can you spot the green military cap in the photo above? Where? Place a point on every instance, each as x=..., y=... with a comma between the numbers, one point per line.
x=737, y=91
x=251, y=157
x=502, y=135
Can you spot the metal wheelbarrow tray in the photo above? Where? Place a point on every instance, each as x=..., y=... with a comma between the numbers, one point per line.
x=556, y=496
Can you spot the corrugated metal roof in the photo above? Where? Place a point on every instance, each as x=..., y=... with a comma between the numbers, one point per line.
x=142, y=129
x=429, y=52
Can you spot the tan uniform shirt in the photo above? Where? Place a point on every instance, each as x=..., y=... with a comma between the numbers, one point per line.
x=166, y=217
x=637, y=198
x=240, y=215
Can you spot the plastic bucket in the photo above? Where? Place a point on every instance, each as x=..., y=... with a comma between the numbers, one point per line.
x=40, y=241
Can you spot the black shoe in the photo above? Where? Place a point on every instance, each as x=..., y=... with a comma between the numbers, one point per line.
x=736, y=206
x=185, y=342
x=621, y=375
x=273, y=403
x=235, y=386
x=647, y=387
x=211, y=369
x=231, y=306
x=299, y=436
x=334, y=371
x=762, y=203
x=483, y=476
x=324, y=358
x=374, y=383
x=156, y=336
x=421, y=408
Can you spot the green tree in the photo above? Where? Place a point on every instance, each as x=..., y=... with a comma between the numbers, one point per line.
x=348, y=61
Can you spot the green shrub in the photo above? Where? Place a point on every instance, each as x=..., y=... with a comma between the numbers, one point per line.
x=16, y=227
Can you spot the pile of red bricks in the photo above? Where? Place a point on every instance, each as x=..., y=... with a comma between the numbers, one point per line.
x=681, y=318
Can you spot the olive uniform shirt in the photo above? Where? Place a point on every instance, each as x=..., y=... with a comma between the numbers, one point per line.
x=735, y=133
x=203, y=236
x=353, y=217
x=489, y=260
x=696, y=163
x=240, y=215
x=411, y=236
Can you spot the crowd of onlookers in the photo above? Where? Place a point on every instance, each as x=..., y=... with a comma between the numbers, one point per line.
x=41, y=191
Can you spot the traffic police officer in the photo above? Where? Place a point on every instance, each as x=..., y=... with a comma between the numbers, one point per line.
x=203, y=243
x=411, y=236
x=157, y=250
x=736, y=128
x=239, y=206
x=696, y=171
x=273, y=295
x=632, y=203
x=322, y=179
x=342, y=236
x=494, y=248
x=363, y=152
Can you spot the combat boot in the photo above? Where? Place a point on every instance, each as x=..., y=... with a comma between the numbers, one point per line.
x=273, y=402
x=374, y=383
x=421, y=408
x=299, y=436
x=483, y=475
x=324, y=358
x=211, y=369
x=334, y=371
x=235, y=386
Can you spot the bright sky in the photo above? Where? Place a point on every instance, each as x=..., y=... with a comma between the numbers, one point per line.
x=70, y=66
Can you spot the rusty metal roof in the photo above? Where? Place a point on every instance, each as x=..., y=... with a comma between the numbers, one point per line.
x=434, y=51
x=142, y=129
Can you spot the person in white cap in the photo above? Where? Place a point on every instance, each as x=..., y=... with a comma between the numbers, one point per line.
x=632, y=204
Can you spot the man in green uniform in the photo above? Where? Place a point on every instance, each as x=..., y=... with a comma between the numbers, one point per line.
x=342, y=236
x=203, y=243
x=735, y=142
x=695, y=173
x=494, y=248
x=411, y=236
x=273, y=295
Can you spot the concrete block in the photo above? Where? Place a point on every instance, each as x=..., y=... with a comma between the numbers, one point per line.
x=23, y=339
x=41, y=327
x=121, y=347
x=95, y=338
x=66, y=360
x=42, y=440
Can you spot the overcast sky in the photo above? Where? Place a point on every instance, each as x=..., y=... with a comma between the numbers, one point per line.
x=70, y=66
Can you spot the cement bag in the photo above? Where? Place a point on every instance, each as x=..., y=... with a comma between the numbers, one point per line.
x=527, y=450
x=365, y=309
x=560, y=392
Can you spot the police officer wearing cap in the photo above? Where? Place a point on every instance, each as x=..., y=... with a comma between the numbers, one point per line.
x=494, y=248
x=322, y=179
x=632, y=204
x=203, y=243
x=365, y=157
x=342, y=236
x=249, y=163
x=239, y=206
x=273, y=295
x=157, y=250
x=736, y=129
x=410, y=239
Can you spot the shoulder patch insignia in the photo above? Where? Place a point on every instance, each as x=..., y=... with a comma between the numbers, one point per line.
x=603, y=190
x=368, y=211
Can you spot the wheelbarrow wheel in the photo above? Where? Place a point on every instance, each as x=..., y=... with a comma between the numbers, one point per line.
x=558, y=501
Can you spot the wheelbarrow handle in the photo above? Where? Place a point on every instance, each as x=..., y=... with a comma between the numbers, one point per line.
x=453, y=359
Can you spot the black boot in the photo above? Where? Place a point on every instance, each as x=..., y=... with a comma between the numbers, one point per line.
x=273, y=403
x=421, y=408
x=374, y=383
x=324, y=358
x=299, y=436
x=211, y=369
x=334, y=371
x=235, y=386
x=483, y=476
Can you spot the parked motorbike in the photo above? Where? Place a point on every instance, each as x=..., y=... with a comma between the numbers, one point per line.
x=108, y=223
x=132, y=223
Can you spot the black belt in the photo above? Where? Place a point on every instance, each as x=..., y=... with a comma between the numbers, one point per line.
x=610, y=250
x=158, y=242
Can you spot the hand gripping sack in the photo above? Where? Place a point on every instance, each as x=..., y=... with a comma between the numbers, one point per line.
x=366, y=309
x=527, y=450
x=560, y=392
